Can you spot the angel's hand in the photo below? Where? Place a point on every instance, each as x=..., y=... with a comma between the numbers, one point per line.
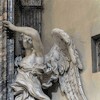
x=9, y=25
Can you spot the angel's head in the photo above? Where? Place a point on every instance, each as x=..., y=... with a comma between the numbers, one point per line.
x=27, y=41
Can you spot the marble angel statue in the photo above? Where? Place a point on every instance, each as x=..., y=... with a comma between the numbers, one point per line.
x=61, y=64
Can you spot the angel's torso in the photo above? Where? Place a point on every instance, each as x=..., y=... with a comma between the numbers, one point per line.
x=28, y=62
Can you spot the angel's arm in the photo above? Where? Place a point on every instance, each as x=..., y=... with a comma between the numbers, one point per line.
x=26, y=30
x=30, y=32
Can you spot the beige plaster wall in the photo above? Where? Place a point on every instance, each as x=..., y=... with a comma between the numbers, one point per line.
x=81, y=20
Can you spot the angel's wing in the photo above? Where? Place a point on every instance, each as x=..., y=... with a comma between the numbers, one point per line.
x=64, y=61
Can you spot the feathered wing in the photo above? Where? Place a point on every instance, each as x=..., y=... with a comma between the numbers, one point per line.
x=64, y=61
x=70, y=83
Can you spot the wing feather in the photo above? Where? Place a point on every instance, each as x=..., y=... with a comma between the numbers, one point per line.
x=68, y=62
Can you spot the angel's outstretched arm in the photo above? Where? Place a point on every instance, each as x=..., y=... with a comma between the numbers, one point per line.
x=26, y=30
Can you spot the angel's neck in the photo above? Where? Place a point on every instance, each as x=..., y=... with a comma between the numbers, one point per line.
x=28, y=52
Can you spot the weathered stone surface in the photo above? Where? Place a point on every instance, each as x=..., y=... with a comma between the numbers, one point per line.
x=31, y=2
x=3, y=16
x=10, y=52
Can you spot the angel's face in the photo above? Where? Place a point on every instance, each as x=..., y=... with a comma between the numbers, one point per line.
x=27, y=42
